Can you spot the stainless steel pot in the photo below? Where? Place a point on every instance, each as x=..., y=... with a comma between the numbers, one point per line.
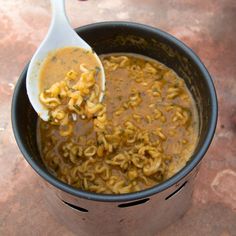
x=144, y=212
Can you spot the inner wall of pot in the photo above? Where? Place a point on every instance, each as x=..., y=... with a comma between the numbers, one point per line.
x=129, y=40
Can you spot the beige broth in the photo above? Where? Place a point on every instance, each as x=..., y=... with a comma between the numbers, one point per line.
x=59, y=62
x=141, y=91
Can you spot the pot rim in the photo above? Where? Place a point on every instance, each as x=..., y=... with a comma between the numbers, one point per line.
x=196, y=158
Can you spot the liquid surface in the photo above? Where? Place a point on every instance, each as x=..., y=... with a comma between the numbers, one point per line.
x=150, y=133
x=59, y=62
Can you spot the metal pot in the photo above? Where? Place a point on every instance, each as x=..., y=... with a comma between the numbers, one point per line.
x=144, y=212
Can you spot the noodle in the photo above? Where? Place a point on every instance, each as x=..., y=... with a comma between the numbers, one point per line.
x=144, y=131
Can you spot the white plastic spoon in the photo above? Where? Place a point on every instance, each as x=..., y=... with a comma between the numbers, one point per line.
x=60, y=35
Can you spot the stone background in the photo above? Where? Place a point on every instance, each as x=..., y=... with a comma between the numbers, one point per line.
x=208, y=27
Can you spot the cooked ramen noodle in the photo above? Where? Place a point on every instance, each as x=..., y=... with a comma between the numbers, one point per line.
x=143, y=132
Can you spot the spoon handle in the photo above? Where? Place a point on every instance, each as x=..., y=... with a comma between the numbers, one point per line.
x=59, y=17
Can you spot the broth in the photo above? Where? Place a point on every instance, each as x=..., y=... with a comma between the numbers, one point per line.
x=150, y=133
x=59, y=62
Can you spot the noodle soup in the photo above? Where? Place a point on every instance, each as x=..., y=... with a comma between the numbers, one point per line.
x=143, y=132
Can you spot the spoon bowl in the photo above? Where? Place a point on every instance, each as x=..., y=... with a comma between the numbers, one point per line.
x=60, y=35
